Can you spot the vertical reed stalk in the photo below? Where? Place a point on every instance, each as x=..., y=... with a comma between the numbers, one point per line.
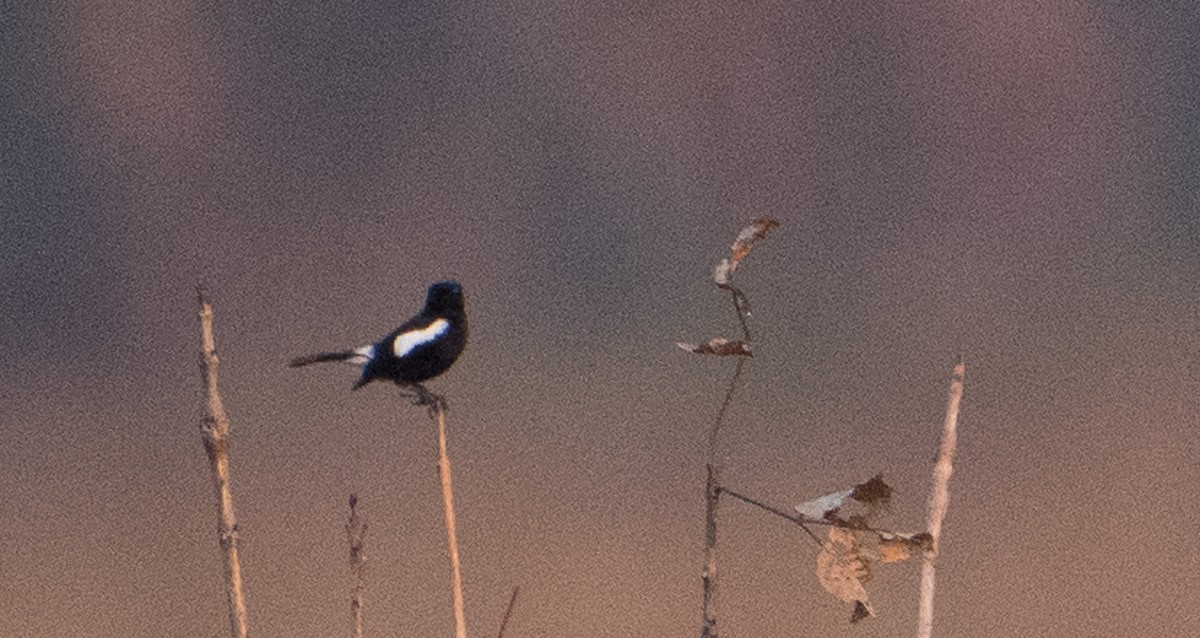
x=214, y=429
x=460, y=619
x=939, y=500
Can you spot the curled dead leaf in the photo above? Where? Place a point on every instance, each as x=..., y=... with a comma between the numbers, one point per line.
x=745, y=240
x=720, y=347
x=853, y=521
x=875, y=493
x=894, y=548
x=861, y=611
x=842, y=568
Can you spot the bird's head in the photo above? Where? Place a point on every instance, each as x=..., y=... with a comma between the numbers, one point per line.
x=444, y=297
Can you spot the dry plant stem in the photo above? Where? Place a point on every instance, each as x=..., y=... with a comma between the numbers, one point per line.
x=940, y=499
x=795, y=518
x=356, y=533
x=712, y=492
x=712, y=502
x=512, y=600
x=716, y=427
x=214, y=429
x=712, y=495
x=460, y=618
x=738, y=298
x=804, y=521
x=741, y=307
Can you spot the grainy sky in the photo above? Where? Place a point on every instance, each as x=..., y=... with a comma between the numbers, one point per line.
x=1016, y=182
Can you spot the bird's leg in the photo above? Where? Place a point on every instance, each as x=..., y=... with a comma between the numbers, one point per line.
x=425, y=397
x=420, y=395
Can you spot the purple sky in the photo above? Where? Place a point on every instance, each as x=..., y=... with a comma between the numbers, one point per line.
x=1014, y=183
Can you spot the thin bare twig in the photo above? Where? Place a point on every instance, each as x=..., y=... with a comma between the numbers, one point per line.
x=716, y=426
x=512, y=600
x=795, y=518
x=214, y=430
x=741, y=306
x=356, y=533
x=939, y=500
x=708, y=578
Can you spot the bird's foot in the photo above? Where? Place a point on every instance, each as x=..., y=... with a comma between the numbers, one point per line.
x=422, y=396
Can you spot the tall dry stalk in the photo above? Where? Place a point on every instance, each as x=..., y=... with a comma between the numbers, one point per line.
x=723, y=276
x=460, y=618
x=712, y=502
x=939, y=500
x=708, y=578
x=356, y=533
x=214, y=430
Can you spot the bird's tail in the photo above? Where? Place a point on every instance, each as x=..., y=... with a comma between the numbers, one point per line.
x=322, y=357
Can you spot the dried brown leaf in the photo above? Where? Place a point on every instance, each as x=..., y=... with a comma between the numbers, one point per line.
x=894, y=552
x=854, y=521
x=842, y=568
x=924, y=541
x=861, y=610
x=874, y=493
x=720, y=347
x=745, y=240
x=893, y=548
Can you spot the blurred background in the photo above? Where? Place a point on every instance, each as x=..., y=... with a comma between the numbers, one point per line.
x=1015, y=183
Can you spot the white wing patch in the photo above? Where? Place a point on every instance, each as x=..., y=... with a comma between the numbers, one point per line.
x=405, y=342
x=362, y=356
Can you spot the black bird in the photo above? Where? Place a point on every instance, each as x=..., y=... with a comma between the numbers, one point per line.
x=420, y=349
